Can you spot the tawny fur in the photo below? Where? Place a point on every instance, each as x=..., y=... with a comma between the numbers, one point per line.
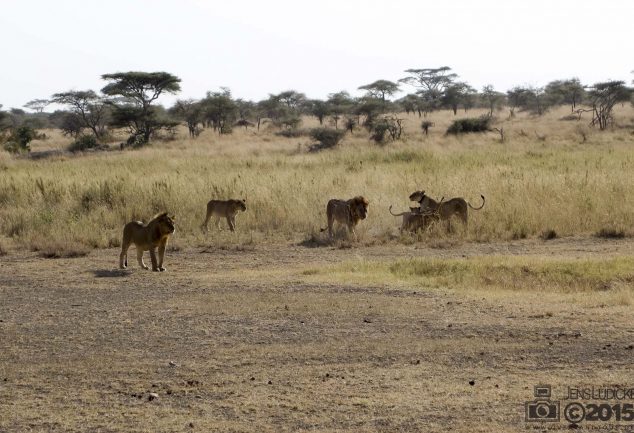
x=346, y=212
x=456, y=206
x=416, y=219
x=224, y=209
x=147, y=237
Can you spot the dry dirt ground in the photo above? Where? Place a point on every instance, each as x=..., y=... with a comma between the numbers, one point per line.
x=242, y=340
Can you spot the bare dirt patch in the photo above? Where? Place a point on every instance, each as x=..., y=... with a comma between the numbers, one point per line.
x=243, y=340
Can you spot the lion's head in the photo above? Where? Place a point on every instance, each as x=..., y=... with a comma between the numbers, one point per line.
x=359, y=207
x=417, y=196
x=241, y=204
x=162, y=225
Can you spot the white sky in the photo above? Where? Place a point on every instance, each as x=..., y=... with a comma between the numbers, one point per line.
x=257, y=47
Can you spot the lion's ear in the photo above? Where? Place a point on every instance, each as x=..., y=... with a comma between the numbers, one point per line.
x=173, y=217
x=244, y=199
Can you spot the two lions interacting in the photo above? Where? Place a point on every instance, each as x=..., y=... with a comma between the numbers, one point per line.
x=444, y=210
x=147, y=237
x=417, y=219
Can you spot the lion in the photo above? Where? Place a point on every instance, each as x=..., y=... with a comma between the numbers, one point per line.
x=146, y=237
x=224, y=208
x=415, y=219
x=455, y=206
x=348, y=212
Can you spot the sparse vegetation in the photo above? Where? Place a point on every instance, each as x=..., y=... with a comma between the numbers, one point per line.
x=19, y=139
x=83, y=143
x=326, y=137
x=520, y=176
x=471, y=124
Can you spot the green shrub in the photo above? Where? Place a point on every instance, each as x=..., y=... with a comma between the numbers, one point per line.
x=470, y=124
x=385, y=127
x=84, y=142
x=19, y=140
x=327, y=137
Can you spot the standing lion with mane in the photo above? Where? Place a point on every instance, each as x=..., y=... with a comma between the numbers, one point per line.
x=147, y=237
x=346, y=212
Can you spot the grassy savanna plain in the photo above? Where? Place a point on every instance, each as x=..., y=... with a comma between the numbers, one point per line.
x=275, y=328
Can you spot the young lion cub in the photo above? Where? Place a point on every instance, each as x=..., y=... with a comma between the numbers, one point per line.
x=146, y=237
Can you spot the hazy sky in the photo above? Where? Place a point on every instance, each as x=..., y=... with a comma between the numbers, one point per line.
x=257, y=47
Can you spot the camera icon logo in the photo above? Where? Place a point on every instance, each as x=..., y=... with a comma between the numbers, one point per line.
x=542, y=409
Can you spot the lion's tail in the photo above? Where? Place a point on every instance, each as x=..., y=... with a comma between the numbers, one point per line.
x=477, y=208
x=396, y=214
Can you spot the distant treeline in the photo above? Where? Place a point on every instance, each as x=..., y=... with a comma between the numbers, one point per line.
x=130, y=101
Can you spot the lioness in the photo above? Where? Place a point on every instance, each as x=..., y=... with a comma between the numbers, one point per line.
x=416, y=219
x=224, y=208
x=347, y=212
x=146, y=237
x=456, y=206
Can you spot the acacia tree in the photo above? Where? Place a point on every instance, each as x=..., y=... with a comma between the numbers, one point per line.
x=318, y=108
x=532, y=99
x=37, y=105
x=291, y=98
x=381, y=89
x=220, y=110
x=456, y=94
x=566, y=92
x=340, y=103
x=87, y=109
x=492, y=98
x=431, y=84
x=191, y=112
x=412, y=103
x=604, y=96
x=514, y=98
x=139, y=90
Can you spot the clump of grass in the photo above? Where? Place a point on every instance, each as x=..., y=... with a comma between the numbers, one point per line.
x=548, y=234
x=56, y=249
x=493, y=273
x=3, y=251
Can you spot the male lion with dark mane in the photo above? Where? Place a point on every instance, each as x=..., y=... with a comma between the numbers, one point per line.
x=147, y=237
x=347, y=212
x=224, y=209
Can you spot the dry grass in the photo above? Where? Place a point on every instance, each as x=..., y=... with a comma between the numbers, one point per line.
x=494, y=273
x=530, y=185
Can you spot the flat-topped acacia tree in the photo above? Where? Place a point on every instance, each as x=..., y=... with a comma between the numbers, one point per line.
x=137, y=91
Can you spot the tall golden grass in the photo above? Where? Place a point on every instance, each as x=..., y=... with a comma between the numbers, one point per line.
x=545, y=176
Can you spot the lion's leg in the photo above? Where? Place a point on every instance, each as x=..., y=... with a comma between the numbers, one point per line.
x=155, y=267
x=330, y=223
x=464, y=218
x=351, y=230
x=161, y=254
x=123, y=257
x=218, y=223
x=231, y=224
x=204, y=225
x=139, y=257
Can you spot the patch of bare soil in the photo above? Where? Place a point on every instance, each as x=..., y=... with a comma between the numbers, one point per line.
x=236, y=341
